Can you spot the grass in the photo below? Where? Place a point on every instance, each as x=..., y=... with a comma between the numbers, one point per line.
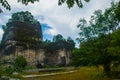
x=83, y=73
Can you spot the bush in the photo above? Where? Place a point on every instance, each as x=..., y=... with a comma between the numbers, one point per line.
x=9, y=70
x=20, y=63
x=6, y=70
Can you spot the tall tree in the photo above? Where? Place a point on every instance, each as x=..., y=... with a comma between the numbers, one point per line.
x=117, y=11
x=114, y=48
x=96, y=36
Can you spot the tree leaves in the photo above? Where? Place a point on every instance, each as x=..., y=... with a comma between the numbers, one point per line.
x=70, y=3
x=5, y=4
x=87, y=0
x=60, y=2
x=96, y=37
x=27, y=1
x=59, y=42
x=117, y=11
x=79, y=3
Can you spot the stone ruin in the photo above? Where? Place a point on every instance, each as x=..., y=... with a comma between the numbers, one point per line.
x=23, y=38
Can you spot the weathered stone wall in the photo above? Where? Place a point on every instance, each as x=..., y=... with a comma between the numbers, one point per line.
x=25, y=39
x=60, y=57
x=64, y=57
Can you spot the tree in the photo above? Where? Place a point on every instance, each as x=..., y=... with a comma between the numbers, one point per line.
x=81, y=57
x=95, y=37
x=85, y=30
x=23, y=16
x=62, y=43
x=114, y=48
x=58, y=38
x=49, y=46
x=117, y=11
x=59, y=42
x=70, y=3
x=70, y=44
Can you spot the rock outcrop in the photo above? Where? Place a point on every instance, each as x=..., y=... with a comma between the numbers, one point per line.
x=23, y=38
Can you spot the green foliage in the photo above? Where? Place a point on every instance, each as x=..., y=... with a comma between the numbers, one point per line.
x=23, y=16
x=70, y=3
x=58, y=38
x=27, y=1
x=20, y=63
x=6, y=70
x=114, y=48
x=117, y=11
x=95, y=39
x=30, y=35
x=4, y=28
x=59, y=42
x=1, y=71
x=9, y=70
x=71, y=44
x=78, y=58
x=6, y=5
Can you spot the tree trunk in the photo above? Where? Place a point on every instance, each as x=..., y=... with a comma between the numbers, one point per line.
x=107, y=69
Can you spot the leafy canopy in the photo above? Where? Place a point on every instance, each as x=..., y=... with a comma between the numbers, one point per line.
x=96, y=37
x=23, y=16
x=70, y=3
x=59, y=42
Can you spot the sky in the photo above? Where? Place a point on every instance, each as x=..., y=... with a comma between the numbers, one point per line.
x=55, y=19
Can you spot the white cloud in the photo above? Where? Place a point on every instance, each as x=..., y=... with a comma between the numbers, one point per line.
x=60, y=18
x=51, y=32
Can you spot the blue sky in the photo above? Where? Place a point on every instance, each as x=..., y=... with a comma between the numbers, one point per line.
x=58, y=19
x=46, y=27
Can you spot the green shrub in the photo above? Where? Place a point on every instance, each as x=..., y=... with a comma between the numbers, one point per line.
x=20, y=63
x=6, y=70
x=9, y=70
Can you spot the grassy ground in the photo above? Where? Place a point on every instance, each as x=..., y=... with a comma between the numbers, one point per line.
x=83, y=73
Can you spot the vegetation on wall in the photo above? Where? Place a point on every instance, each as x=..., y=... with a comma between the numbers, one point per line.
x=59, y=42
x=23, y=16
x=23, y=28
